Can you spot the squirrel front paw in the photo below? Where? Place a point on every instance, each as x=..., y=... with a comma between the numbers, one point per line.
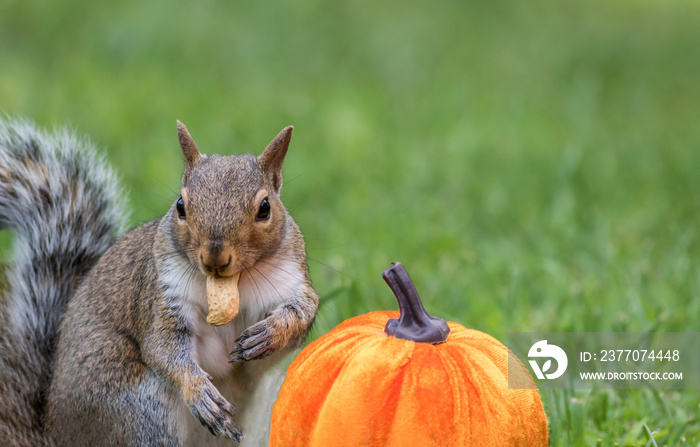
x=283, y=328
x=258, y=341
x=210, y=408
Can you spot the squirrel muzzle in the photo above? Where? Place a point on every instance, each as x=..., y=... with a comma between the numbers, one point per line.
x=216, y=260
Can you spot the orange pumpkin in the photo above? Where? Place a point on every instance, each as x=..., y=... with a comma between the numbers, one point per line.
x=408, y=379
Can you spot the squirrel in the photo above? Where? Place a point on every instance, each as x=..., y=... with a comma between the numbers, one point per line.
x=103, y=338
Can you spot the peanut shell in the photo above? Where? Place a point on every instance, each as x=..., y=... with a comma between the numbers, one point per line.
x=223, y=299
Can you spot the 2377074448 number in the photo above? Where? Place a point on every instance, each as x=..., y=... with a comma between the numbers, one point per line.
x=639, y=355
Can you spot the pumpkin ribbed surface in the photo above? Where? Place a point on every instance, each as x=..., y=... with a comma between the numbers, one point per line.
x=357, y=386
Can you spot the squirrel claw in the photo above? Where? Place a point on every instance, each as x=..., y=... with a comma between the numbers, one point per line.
x=254, y=353
x=254, y=343
x=213, y=411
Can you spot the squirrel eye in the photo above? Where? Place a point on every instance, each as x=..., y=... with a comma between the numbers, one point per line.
x=264, y=210
x=180, y=207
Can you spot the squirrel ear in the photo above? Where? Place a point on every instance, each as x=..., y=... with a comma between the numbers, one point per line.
x=189, y=148
x=273, y=156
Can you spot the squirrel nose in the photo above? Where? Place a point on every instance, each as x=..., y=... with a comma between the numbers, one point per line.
x=215, y=262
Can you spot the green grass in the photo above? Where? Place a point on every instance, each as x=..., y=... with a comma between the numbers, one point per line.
x=533, y=164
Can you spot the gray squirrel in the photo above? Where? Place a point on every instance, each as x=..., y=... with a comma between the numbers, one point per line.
x=103, y=338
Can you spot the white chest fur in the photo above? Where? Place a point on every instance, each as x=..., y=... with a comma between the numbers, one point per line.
x=262, y=288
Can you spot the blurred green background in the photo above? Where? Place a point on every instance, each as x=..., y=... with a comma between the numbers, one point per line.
x=533, y=164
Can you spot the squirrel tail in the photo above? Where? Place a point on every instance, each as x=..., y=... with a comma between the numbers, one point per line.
x=64, y=207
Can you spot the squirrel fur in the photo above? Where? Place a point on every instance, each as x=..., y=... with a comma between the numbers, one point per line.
x=134, y=361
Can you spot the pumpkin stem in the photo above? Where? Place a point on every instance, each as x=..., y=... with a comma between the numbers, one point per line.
x=414, y=323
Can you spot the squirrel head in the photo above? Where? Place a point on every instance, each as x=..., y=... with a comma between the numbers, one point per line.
x=229, y=214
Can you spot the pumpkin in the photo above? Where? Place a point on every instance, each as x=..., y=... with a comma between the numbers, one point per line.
x=406, y=379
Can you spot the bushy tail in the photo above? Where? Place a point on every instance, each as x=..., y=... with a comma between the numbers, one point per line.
x=64, y=207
